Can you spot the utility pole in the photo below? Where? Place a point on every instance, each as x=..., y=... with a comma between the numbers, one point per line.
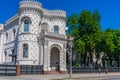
x=70, y=61
x=70, y=43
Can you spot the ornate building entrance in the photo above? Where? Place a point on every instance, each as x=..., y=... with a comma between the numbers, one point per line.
x=55, y=58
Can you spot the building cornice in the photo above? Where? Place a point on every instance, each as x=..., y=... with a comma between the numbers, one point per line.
x=11, y=19
x=55, y=36
x=9, y=43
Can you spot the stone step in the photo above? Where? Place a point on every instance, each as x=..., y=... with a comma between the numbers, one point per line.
x=52, y=72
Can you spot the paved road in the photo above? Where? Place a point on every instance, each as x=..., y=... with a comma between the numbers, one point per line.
x=99, y=78
x=93, y=76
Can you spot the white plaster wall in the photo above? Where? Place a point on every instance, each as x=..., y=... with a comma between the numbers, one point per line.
x=1, y=47
x=8, y=58
x=29, y=38
x=61, y=24
x=32, y=53
x=45, y=20
x=10, y=33
x=54, y=42
x=35, y=19
x=10, y=43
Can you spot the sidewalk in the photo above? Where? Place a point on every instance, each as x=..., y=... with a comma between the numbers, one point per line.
x=66, y=76
x=82, y=76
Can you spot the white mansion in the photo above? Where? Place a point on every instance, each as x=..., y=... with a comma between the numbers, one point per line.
x=35, y=36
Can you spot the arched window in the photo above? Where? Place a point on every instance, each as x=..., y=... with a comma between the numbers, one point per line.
x=25, y=50
x=26, y=25
x=6, y=37
x=44, y=26
x=14, y=32
x=56, y=30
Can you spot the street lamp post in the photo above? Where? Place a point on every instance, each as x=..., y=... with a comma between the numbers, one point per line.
x=106, y=69
x=70, y=62
x=70, y=44
x=105, y=63
x=41, y=41
x=13, y=56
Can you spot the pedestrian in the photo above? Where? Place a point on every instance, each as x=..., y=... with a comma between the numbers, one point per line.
x=99, y=68
x=106, y=70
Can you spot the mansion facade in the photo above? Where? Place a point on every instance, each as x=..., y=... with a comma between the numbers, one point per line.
x=34, y=36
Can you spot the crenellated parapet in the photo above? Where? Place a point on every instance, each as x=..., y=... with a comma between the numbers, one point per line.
x=30, y=4
x=59, y=13
x=34, y=6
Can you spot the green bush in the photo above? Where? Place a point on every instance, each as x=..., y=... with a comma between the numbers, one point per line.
x=77, y=64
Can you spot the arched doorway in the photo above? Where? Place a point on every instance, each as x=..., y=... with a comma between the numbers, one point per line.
x=55, y=58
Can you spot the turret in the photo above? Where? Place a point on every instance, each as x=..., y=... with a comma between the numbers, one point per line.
x=30, y=11
x=30, y=4
x=29, y=18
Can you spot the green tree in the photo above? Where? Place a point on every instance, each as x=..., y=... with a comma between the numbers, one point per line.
x=85, y=27
x=90, y=40
x=80, y=46
x=73, y=21
x=116, y=53
x=89, y=27
x=109, y=44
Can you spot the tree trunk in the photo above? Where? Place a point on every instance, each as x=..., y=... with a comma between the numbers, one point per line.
x=86, y=59
x=118, y=62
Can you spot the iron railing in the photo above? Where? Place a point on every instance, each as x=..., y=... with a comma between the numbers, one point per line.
x=93, y=70
x=7, y=70
x=31, y=69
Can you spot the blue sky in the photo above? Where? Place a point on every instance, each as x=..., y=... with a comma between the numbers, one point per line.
x=109, y=9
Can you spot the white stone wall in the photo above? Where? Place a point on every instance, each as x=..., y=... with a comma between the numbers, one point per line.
x=61, y=23
x=32, y=53
x=35, y=19
x=29, y=38
x=1, y=47
x=9, y=44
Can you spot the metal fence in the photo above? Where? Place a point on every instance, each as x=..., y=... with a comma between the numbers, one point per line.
x=93, y=70
x=31, y=69
x=113, y=69
x=10, y=70
x=7, y=70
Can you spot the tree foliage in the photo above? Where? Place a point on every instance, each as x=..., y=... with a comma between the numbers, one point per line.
x=90, y=40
